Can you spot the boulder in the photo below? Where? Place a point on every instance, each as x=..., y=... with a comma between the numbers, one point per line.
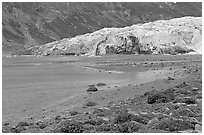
x=100, y=84
x=152, y=122
x=92, y=89
x=73, y=113
x=170, y=78
x=41, y=124
x=198, y=128
x=90, y=103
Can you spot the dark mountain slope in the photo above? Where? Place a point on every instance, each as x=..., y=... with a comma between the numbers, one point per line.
x=29, y=24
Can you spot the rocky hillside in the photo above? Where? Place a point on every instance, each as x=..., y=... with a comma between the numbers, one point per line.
x=33, y=24
x=179, y=35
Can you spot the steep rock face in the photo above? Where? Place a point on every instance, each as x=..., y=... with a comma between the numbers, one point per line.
x=27, y=24
x=179, y=35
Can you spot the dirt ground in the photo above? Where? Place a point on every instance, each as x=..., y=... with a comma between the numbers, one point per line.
x=162, y=105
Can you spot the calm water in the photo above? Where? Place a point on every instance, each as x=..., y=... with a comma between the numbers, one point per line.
x=33, y=83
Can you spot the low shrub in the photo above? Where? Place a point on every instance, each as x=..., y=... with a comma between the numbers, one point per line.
x=122, y=117
x=69, y=127
x=73, y=113
x=161, y=96
x=174, y=125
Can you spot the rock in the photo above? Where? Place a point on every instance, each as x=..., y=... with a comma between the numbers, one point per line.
x=194, y=89
x=18, y=129
x=101, y=110
x=176, y=105
x=199, y=101
x=73, y=113
x=178, y=100
x=110, y=102
x=133, y=112
x=6, y=129
x=58, y=117
x=152, y=122
x=160, y=96
x=149, y=116
x=41, y=124
x=198, y=128
x=90, y=103
x=199, y=96
x=21, y=126
x=105, y=119
x=147, y=93
x=91, y=85
x=170, y=78
x=43, y=109
x=92, y=89
x=6, y=124
x=100, y=84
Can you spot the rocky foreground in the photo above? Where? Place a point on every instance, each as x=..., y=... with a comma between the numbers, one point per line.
x=175, y=36
x=173, y=104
